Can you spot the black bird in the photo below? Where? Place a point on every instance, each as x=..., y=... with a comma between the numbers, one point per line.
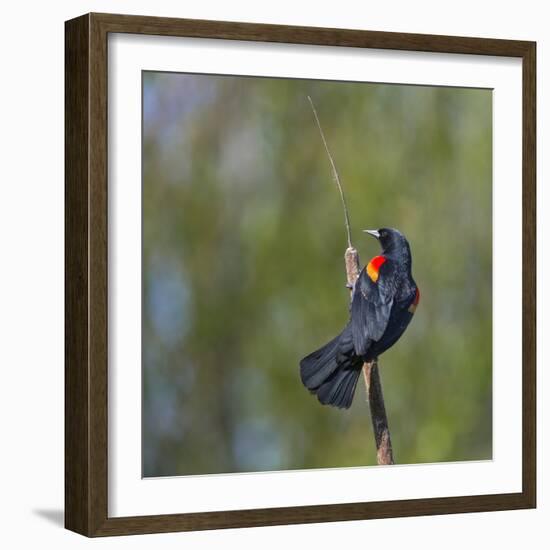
x=384, y=299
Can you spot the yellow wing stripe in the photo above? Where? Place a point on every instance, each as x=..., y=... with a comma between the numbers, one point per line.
x=372, y=272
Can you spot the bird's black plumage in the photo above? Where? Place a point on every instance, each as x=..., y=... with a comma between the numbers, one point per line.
x=384, y=298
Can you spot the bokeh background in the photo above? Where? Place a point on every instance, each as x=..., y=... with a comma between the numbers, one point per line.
x=243, y=272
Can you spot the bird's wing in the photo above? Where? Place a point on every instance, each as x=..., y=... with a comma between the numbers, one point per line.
x=372, y=303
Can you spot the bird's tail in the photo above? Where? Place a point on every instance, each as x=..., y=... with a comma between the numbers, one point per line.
x=332, y=371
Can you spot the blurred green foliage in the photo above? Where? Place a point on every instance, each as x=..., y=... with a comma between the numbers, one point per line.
x=243, y=271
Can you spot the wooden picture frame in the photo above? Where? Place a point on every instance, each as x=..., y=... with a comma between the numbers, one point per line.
x=86, y=283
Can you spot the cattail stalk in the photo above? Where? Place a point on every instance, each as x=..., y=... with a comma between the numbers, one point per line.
x=373, y=384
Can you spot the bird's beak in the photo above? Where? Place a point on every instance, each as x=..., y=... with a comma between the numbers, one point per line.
x=372, y=232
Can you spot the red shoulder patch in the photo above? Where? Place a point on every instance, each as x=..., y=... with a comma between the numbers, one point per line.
x=412, y=307
x=373, y=267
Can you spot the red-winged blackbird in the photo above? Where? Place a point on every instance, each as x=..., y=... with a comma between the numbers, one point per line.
x=384, y=299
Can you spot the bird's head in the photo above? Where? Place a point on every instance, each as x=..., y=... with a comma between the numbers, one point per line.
x=391, y=240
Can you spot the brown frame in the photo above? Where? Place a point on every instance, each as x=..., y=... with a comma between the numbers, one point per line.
x=86, y=274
